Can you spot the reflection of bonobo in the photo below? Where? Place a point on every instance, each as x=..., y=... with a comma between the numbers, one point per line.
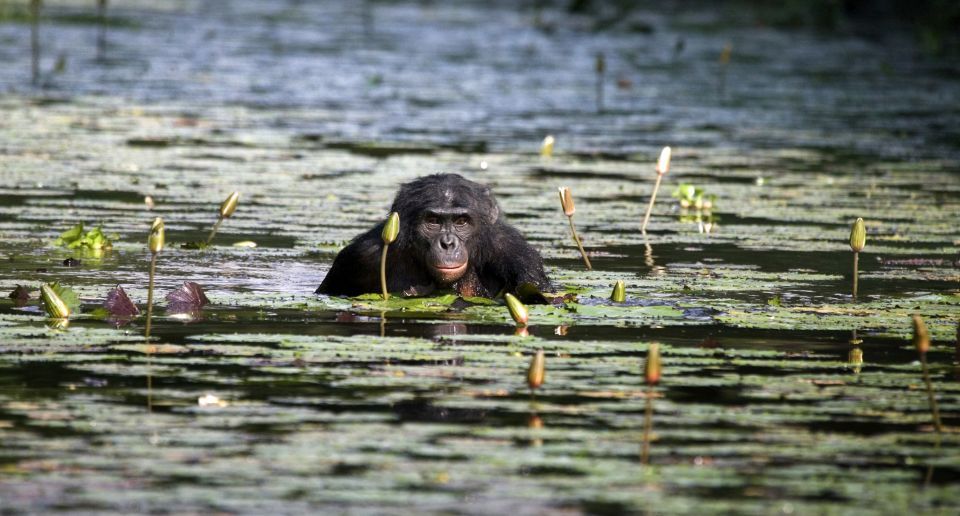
x=451, y=236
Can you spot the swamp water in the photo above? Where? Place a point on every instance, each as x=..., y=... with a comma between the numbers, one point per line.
x=316, y=112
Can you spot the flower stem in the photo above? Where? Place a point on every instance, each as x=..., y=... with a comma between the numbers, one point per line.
x=934, y=409
x=856, y=273
x=647, y=425
x=653, y=199
x=576, y=240
x=383, y=272
x=153, y=269
x=214, y=230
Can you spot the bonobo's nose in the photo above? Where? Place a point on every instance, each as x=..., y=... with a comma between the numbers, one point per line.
x=447, y=242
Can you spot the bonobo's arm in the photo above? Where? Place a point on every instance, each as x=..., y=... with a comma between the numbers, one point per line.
x=356, y=269
x=509, y=261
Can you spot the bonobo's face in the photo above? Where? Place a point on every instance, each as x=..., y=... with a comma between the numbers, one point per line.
x=445, y=235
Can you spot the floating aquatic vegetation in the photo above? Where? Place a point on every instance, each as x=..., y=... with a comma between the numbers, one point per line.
x=189, y=298
x=75, y=238
x=119, y=305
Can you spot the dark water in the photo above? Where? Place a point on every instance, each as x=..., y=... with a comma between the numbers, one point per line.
x=272, y=399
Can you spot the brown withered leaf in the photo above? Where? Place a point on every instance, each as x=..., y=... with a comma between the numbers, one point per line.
x=20, y=295
x=119, y=304
x=186, y=299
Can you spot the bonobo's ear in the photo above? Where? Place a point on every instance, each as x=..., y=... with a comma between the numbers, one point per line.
x=493, y=209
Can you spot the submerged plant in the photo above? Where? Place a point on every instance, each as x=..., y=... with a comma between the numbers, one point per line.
x=227, y=207
x=663, y=166
x=155, y=243
x=390, y=231
x=619, y=294
x=921, y=341
x=651, y=374
x=858, y=239
x=566, y=202
x=536, y=373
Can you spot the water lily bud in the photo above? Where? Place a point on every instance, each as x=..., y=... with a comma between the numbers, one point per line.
x=725, y=54
x=546, y=149
x=537, y=371
x=391, y=229
x=156, y=240
x=651, y=369
x=566, y=201
x=53, y=304
x=855, y=359
x=229, y=206
x=663, y=164
x=619, y=292
x=858, y=236
x=921, y=339
x=517, y=310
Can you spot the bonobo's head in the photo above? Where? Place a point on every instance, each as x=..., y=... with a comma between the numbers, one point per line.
x=442, y=217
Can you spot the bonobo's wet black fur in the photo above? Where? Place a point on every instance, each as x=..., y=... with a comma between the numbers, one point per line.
x=445, y=220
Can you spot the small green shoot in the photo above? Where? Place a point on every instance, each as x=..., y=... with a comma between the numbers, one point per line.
x=390, y=231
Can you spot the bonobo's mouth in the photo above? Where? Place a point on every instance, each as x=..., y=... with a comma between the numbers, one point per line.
x=447, y=274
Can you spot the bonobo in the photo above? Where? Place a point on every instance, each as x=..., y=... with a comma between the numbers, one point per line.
x=452, y=236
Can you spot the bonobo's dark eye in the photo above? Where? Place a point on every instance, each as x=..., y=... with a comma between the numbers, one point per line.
x=431, y=220
x=461, y=222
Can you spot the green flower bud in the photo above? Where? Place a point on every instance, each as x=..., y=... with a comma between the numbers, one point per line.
x=391, y=229
x=536, y=373
x=517, y=310
x=53, y=304
x=855, y=359
x=858, y=236
x=619, y=292
x=156, y=240
x=228, y=206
